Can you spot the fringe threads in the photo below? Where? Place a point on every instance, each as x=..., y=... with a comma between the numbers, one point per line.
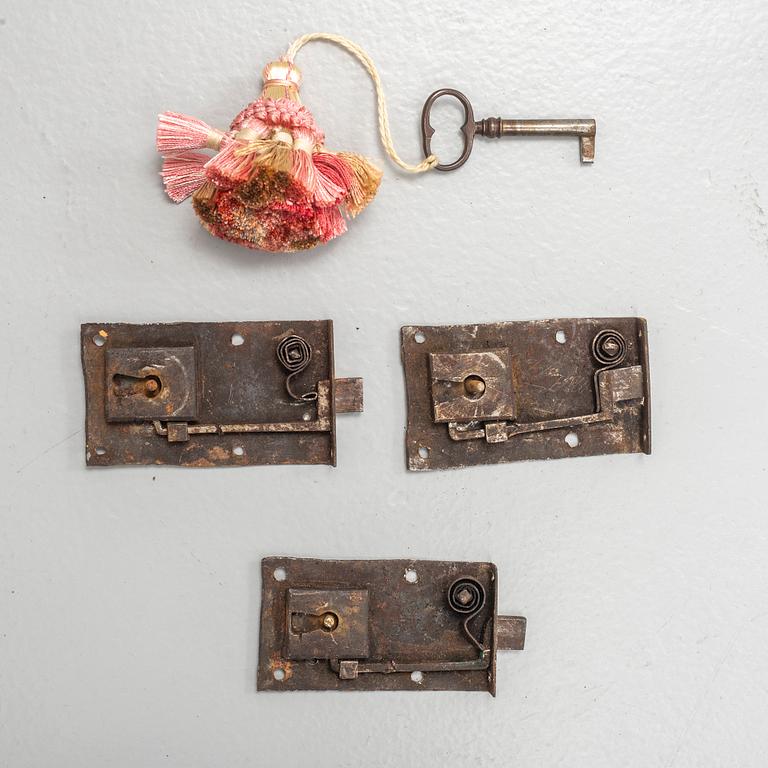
x=271, y=185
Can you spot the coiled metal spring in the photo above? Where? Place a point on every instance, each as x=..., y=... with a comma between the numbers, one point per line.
x=295, y=355
x=467, y=597
x=609, y=348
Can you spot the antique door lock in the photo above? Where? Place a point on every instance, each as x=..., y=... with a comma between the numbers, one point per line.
x=208, y=394
x=363, y=625
x=483, y=394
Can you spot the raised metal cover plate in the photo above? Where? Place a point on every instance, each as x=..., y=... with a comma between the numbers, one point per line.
x=358, y=625
x=544, y=389
x=210, y=394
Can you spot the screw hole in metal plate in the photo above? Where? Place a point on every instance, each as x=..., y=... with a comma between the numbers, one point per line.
x=411, y=576
x=280, y=574
x=419, y=337
x=572, y=439
x=98, y=339
x=560, y=337
x=238, y=450
x=237, y=339
x=279, y=674
x=417, y=677
x=100, y=451
x=423, y=452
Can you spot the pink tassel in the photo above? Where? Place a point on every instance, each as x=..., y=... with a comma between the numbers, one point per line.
x=183, y=174
x=177, y=132
x=303, y=169
x=334, y=178
x=226, y=168
x=331, y=223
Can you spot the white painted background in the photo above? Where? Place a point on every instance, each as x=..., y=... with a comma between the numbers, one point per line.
x=129, y=598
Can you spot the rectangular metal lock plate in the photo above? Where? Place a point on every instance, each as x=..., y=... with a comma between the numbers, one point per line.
x=361, y=625
x=324, y=623
x=151, y=384
x=211, y=394
x=500, y=392
x=452, y=398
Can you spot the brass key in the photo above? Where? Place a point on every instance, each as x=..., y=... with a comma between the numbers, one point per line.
x=494, y=127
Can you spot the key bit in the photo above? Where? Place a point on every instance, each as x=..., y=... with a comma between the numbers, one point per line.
x=495, y=127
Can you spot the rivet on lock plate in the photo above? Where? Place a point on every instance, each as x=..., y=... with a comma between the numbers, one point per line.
x=362, y=625
x=210, y=394
x=484, y=394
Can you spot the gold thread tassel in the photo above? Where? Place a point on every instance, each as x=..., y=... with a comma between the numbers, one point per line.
x=367, y=178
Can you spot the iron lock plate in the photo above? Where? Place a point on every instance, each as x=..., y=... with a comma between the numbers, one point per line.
x=361, y=625
x=448, y=376
x=500, y=392
x=151, y=384
x=323, y=623
x=212, y=394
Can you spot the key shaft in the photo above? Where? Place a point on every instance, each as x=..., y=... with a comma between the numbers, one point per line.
x=496, y=127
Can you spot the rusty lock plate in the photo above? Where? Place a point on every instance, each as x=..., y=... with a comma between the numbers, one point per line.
x=212, y=394
x=369, y=625
x=544, y=389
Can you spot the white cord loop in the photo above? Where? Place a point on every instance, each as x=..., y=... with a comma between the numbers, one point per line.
x=365, y=60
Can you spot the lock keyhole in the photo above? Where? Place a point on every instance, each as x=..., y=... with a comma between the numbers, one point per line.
x=308, y=622
x=124, y=386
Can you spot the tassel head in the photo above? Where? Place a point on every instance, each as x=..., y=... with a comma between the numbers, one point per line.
x=282, y=80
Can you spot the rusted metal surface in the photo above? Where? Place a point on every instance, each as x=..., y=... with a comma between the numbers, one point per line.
x=212, y=394
x=327, y=624
x=482, y=380
x=495, y=127
x=510, y=633
x=485, y=394
x=360, y=625
x=136, y=390
x=349, y=395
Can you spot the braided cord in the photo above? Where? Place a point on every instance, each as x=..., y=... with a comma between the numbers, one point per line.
x=365, y=60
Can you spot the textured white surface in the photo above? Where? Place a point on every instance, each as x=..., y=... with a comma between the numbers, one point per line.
x=129, y=598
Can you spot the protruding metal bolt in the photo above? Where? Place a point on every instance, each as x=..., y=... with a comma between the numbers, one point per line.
x=330, y=621
x=464, y=597
x=610, y=347
x=151, y=387
x=474, y=386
